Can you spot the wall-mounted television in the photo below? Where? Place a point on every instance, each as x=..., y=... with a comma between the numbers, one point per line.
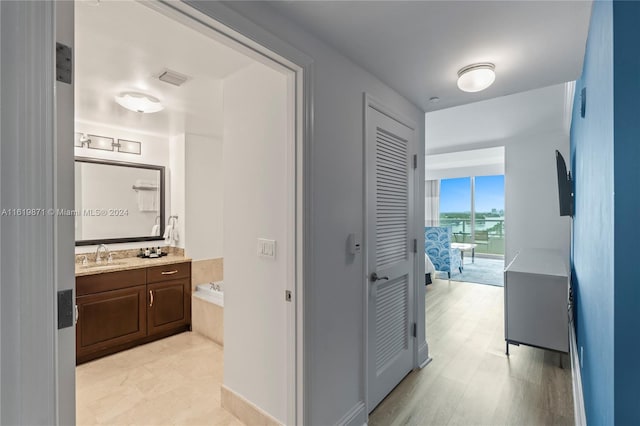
x=565, y=186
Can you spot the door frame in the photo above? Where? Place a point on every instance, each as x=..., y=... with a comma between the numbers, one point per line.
x=420, y=347
x=48, y=374
x=232, y=29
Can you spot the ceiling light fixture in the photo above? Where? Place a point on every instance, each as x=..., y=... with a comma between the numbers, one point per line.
x=476, y=77
x=139, y=102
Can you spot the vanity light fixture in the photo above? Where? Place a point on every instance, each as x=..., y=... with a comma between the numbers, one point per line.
x=139, y=102
x=476, y=77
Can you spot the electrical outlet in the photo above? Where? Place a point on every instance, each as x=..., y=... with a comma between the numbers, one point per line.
x=581, y=357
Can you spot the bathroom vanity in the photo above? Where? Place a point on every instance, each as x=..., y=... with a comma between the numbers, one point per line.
x=130, y=302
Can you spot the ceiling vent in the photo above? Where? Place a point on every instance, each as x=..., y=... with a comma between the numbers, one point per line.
x=173, y=77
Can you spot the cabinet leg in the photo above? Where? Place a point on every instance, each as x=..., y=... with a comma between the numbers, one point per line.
x=507, y=351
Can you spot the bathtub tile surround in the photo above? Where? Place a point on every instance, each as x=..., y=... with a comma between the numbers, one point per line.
x=207, y=312
x=207, y=319
x=205, y=271
x=175, y=381
x=244, y=410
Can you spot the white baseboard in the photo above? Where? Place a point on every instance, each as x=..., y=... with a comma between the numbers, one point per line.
x=580, y=416
x=245, y=410
x=356, y=416
x=423, y=355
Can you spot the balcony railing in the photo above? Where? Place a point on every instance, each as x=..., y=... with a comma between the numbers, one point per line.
x=489, y=234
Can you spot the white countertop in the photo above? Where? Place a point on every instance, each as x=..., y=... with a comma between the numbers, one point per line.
x=540, y=261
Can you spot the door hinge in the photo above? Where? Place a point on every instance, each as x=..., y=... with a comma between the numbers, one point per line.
x=415, y=161
x=64, y=63
x=415, y=245
x=65, y=309
x=287, y=295
x=414, y=330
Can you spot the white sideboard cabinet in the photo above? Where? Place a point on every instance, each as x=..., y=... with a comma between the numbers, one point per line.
x=536, y=298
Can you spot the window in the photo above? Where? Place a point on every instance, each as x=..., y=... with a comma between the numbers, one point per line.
x=474, y=208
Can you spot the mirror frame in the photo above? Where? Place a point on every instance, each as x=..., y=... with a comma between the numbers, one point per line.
x=162, y=201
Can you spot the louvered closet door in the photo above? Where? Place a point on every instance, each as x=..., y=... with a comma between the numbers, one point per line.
x=389, y=253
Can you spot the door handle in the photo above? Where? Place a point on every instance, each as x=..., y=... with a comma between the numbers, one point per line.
x=374, y=277
x=151, y=297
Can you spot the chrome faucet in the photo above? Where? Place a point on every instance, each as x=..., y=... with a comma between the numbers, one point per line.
x=98, y=258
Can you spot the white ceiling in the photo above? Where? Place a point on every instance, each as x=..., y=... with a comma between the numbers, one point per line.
x=124, y=46
x=417, y=47
x=537, y=111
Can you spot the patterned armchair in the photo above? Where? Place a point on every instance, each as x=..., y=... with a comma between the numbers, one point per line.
x=437, y=245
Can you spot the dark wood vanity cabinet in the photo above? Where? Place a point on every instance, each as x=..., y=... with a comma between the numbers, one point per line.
x=169, y=295
x=119, y=310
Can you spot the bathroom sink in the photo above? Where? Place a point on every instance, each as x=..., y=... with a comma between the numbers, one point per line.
x=102, y=265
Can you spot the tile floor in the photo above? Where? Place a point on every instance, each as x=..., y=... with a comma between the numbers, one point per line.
x=174, y=381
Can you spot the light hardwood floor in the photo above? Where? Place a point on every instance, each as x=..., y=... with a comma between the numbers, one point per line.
x=470, y=380
x=169, y=382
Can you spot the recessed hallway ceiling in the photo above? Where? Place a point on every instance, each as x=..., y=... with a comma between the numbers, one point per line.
x=417, y=47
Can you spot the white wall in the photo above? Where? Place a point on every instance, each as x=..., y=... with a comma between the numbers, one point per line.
x=203, y=197
x=255, y=197
x=155, y=151
x=334, y=314
x=177, y=184
x=532, y=216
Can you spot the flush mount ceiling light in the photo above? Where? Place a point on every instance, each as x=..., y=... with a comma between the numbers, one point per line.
x=139, y=102
x=476, y=77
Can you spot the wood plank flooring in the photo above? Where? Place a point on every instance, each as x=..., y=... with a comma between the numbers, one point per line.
x=470, y=380
x=174, y=381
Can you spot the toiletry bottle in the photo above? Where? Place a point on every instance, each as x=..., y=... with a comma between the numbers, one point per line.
x=147, y=252
x=140, y=253
x=159, y=251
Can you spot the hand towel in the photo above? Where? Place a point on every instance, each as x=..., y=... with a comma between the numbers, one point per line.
x=167, y=233
x=147, y=197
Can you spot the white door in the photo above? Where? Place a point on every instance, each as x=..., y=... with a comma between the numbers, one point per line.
x=390, y=257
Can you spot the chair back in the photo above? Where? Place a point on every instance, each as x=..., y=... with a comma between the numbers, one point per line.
x=437, y=245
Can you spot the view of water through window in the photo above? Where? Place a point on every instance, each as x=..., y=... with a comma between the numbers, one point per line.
x=487, y=231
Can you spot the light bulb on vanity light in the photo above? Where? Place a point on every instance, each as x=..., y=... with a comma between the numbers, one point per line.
x=476, y=77
x=139, y=102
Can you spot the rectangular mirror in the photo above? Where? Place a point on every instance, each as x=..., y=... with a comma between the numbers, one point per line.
x=118, y=202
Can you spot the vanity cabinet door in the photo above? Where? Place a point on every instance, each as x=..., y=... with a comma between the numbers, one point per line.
x=168, y=305
x=109, y=319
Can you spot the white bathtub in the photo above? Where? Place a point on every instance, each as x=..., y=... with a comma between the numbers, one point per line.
x=210, y=294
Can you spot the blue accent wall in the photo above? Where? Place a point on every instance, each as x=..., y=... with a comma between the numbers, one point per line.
x=593, y=225
x=605, y=158
x=626, y=121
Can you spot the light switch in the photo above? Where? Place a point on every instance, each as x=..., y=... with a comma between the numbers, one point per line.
x=266, y=248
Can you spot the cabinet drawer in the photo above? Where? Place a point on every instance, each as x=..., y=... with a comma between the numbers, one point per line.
x=168, y=272
x=89, y=284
